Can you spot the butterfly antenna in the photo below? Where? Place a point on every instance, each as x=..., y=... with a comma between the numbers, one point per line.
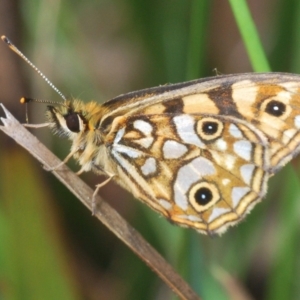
x=16, y=50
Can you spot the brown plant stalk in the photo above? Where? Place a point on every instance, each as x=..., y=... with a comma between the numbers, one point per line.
x=104, y=213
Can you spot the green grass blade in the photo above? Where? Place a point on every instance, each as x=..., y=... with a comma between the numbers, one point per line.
x=34, y=263
x=250, y=36
x=200, y=11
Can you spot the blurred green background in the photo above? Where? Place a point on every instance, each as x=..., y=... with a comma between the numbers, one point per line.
x=50, y=245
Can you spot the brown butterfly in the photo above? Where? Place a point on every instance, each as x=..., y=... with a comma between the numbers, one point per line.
x=200, y=152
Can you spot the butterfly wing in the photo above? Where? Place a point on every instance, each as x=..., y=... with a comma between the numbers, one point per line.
x=268, y=101
x=206, y=180
x=274, y=108
x=201, y=171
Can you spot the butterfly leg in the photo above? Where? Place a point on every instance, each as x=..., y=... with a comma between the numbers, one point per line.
x=80, y=171
x=61, y=163
x=98, y=187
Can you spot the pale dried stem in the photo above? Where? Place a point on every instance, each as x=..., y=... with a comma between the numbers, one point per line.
x=107, y=215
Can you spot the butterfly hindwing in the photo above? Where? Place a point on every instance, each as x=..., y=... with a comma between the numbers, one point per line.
x=201, y=171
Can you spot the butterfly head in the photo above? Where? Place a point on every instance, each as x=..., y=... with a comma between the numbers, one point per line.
x=75, y=118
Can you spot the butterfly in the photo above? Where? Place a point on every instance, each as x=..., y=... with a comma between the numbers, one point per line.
x=200, y=153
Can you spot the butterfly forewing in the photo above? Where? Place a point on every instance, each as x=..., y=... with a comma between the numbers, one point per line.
x=199, y=171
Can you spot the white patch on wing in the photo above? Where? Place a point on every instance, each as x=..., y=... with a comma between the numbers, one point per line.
x=173, y=149
x=230, y=162
x=185, y=127
x=217, y=212
x=165, y=204
x=288, y=134
x=297, y=121
x=119, y=135
x=237, y=194
x=143, y=126
x=291, y=86
x=227, y=161
x=221, y=144
x=190, y=218
x=124, y=167
x=244, y=98
x=131, y=152
x=235, y=132
x=225, y=181
x=243, y=149
x=188, y=175
x=247, y=172
x=149, y=167
x=145, y=142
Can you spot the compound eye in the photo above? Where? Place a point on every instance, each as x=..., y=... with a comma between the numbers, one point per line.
x=73, y=121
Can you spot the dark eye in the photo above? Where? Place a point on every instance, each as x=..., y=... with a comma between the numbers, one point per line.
x=275, y=108
x=210, y=127
x=73, y=122
x=203, y=196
